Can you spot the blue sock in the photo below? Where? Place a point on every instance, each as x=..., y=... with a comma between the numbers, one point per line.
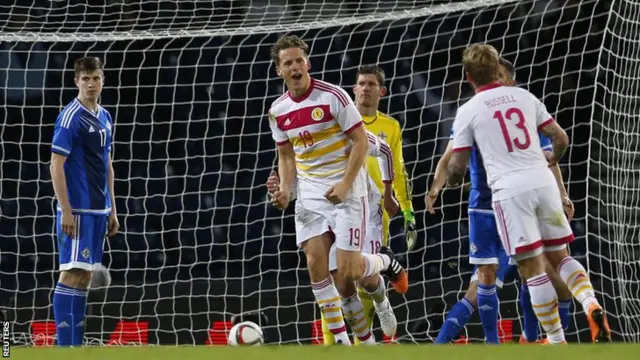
x=457, y=318
x=79, y=311
x=68, y=310
x=564, y=310
x=488, y=311
x=530, y=319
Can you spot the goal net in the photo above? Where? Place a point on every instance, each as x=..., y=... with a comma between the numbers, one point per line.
x=188, y=84
x=614, y=175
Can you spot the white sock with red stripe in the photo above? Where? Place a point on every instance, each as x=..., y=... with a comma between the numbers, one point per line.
x=354, y=312
x=544, y=301
x=328, y=299
x=575, y=276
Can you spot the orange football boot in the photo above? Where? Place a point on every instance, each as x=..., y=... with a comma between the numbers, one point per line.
x=396, y=273
x=600, y=331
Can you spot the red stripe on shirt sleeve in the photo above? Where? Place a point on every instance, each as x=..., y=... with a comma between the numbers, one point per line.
x=461, y=149
x=545, y=123
x=353, y=127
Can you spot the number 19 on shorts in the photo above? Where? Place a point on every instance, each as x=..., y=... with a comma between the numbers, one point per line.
x=354, y=237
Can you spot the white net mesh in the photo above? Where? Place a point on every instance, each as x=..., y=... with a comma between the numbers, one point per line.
x=188, y=84
x=135, y=18
x=614, y=249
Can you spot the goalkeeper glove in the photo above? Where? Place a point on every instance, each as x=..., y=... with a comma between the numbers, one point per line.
x=410, y=228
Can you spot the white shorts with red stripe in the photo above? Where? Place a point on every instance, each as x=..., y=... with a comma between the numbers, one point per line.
x=347, y=221
x=532, y=222
x=373, y=236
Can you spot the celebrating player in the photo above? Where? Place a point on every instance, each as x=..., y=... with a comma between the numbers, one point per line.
x=82, y=176
x=488, y=255
x=526, y=201
x=374, y=286
x=322, y=148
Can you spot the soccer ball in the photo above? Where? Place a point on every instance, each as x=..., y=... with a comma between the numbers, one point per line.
x=100, y=277
x=246, y=333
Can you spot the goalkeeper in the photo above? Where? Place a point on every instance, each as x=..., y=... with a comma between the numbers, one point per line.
x=369, y=88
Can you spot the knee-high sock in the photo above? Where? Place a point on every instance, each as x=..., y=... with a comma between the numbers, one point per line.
x=545, y=304
x=488, y=311
x=456, y=319
x=69, y=308
x=530, y=327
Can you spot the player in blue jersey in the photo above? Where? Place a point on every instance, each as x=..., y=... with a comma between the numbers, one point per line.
x=486, y=252
x=82, y=176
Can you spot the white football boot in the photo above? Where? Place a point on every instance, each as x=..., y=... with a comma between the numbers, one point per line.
x=387, y=317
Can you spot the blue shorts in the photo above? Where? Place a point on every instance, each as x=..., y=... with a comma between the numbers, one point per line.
x=484, y=241
x=504, y=268
x=485, y=247
x=85, y=250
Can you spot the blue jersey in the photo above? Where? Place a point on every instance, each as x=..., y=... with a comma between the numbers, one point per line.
x=84, y=137
x=480, y=193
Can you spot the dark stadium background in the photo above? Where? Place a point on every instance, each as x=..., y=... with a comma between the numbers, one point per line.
x=208, y=219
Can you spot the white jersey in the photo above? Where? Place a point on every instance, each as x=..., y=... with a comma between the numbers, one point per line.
x=380, y=149
x=316, y=124
x=503, y=123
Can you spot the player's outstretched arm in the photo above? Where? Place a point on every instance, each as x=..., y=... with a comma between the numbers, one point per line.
x=440, y=178
x=287, y=174
x=380, y=149
x=457, y=167
x=114, y=224
x=59, y=180
x=559, y=140
x=359, y=150
x=545, y=142
x=567, y=204
x=402, y=186
x=462, y=144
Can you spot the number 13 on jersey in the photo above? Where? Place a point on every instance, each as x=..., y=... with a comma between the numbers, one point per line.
x=522, y=139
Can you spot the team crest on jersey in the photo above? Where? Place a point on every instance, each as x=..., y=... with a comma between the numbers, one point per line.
x=317, y=114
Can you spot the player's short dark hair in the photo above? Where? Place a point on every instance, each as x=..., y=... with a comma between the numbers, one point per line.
x=87, y=64
x=481, y=62
x=508, y=65
x=287, y=42
x=372, y=70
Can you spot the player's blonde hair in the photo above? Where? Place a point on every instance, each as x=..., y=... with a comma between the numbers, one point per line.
x=482, y=63
x=287, y=42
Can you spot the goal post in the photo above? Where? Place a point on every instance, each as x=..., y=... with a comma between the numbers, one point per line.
x=188, y=84
x=614, y=170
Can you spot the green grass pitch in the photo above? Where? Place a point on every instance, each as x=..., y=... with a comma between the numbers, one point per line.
x=292, y=352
